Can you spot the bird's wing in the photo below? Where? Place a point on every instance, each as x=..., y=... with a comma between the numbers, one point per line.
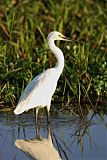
x=33, y=85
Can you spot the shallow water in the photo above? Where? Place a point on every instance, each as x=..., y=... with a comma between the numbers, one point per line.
x=74, y=139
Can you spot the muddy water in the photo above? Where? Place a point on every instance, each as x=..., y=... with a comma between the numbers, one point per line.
x=73, y=138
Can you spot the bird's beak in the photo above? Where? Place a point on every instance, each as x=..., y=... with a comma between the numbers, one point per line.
x=67, y=38
x=64, y=38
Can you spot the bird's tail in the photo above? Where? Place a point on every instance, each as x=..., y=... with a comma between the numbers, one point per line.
x=18, y=110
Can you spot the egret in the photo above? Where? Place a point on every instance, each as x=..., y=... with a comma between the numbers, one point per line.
x=39, y=91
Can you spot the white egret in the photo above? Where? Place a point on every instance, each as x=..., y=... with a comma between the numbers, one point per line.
x=39, y=91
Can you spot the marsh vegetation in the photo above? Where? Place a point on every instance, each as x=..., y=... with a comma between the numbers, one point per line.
x=24, y=26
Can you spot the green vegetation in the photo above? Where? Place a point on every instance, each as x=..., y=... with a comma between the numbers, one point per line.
x=24, y=26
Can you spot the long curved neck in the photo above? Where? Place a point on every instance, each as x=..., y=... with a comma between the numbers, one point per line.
x=58, y=54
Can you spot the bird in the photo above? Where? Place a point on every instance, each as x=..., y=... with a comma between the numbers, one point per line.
x=38, y=93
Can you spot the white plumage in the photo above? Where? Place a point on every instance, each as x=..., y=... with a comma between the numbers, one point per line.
x=39, y=91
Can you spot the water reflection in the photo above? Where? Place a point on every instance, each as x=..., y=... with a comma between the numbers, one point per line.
x=74, y=138
x=39, y=148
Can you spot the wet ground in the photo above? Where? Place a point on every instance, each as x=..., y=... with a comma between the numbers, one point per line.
x=74, y=138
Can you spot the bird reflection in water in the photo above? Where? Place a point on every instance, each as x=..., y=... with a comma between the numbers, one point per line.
x=39, y=148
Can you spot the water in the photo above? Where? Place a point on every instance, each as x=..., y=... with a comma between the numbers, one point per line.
x=74, y=139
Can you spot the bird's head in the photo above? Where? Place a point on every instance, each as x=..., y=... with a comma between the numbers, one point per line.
x=57, y=36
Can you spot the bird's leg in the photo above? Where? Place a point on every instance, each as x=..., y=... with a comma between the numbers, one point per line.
x=36, y=114
x=38, y=135
x=48, y=115
x=49, y=133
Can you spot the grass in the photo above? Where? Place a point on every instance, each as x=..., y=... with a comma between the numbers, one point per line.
x=24, y=26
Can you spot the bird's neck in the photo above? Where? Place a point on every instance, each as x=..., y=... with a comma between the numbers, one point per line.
x=59, y=56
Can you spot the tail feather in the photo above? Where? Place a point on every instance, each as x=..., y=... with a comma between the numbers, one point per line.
x=19, y=110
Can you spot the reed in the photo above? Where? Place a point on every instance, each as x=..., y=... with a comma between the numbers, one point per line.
x=24, y=26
